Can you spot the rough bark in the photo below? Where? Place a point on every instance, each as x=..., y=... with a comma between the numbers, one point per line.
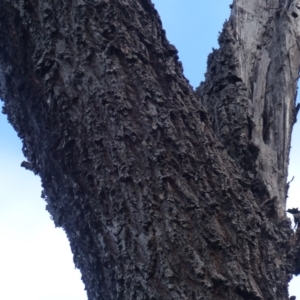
x=156, y=201
x=250, y=89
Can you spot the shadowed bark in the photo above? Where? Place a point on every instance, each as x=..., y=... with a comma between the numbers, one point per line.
x=164, y=193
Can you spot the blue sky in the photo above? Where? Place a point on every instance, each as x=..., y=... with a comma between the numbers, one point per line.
x=35, y=259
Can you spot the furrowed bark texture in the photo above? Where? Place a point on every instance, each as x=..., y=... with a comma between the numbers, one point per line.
x=250, y=89
x=132, y=170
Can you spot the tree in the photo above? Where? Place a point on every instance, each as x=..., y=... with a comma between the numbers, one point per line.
x=164, y=193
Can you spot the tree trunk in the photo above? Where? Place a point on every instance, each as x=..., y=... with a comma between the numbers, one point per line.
x=250, y=89
x=164, y=193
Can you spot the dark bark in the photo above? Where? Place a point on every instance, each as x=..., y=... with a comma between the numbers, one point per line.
x=132, y=169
